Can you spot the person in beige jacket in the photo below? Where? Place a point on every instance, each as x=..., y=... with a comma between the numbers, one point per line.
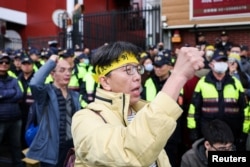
x=120, y=130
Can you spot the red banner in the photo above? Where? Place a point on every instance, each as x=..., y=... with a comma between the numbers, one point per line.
x=206, y=8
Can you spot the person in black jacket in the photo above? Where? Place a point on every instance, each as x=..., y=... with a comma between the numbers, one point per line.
x=27, y=99
x=223, y=43
x=217, y=137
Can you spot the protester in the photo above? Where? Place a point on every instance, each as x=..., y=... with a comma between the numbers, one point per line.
x=135, y=131
x=56, y=104
x=217, y=137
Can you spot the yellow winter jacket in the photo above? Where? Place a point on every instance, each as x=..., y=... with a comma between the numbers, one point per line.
x=118, y=143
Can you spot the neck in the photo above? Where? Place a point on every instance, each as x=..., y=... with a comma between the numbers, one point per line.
x=3, y=75
x=164, y=77
x=129, y=111
x=63, y=88
x=26, y=75
x=219, y=76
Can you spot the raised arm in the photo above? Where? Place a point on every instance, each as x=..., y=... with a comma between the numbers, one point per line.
x=189, y=60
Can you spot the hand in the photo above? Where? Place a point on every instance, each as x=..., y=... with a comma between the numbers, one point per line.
x=189, y=60
x=54, y=57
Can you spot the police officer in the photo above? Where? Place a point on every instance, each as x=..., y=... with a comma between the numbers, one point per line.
x=218, y=95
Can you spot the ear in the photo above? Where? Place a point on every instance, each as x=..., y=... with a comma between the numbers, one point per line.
x=52, y=73
x=206, y=144
x=104, y=83
x=211, y=64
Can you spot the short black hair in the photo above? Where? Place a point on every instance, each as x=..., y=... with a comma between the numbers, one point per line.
x=106, y=54
x=217, y=131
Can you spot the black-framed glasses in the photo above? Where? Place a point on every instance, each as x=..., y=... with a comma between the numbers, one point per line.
x=5, y=62
x=131, y=69
x=231, y=148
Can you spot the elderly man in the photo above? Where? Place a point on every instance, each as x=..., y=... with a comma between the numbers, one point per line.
x=55, y=105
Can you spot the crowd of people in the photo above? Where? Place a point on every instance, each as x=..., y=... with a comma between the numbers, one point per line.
x=120, y=105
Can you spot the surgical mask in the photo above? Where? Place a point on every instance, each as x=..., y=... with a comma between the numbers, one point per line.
x=220, y=67
x=149, y=67
x=86, y=61
x=209, y=54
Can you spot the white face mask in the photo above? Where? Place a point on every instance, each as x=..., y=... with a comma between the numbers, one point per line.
x=149, y=67
x=220, y=67
x=209, y=54
x=86, y=61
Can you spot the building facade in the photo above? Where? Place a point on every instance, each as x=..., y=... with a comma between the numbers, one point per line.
x=211, y=17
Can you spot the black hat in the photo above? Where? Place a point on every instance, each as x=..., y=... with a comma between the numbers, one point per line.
x=67, y=53
x=83, y=56
x=219, y=55
x=5, y=55
x=46, y=54
x=151, y=47
x=223, y=33
x=19, y=54
x=34, y=51
x=26, y=59
x=163, y=57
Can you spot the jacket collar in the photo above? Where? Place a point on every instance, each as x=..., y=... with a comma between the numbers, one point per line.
x=226, y=80
x=118, y=103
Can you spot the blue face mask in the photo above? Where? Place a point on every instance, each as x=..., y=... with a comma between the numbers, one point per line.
x=149, y=67
x=86, y=61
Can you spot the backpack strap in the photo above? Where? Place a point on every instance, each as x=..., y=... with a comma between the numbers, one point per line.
x=70, y=158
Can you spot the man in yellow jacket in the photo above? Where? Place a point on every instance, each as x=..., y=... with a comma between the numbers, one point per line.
x=119, y=129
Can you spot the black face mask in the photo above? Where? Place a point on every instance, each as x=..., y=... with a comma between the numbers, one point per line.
x=160, y=48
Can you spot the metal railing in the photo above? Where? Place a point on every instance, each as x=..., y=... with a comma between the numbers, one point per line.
x=141, y=27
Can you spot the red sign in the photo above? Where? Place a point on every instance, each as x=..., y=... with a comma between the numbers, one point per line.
x=208, y=8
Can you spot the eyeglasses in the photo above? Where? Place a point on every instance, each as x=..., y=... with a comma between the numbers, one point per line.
x=5, y=62
x=130, y=69
x=231, y=148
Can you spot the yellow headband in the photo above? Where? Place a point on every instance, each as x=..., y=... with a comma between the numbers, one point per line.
x=123, y=59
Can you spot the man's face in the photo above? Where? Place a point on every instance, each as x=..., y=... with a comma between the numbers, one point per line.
x=17, y=62
x=125, y=79
x=221, y=147
x=224, y=38
x=244, y=53
x=235, y=50
x=4, y=65
x=62, y=73
x=201, y=38
x=34, y=57
x=162, y=71
x=27, y=67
